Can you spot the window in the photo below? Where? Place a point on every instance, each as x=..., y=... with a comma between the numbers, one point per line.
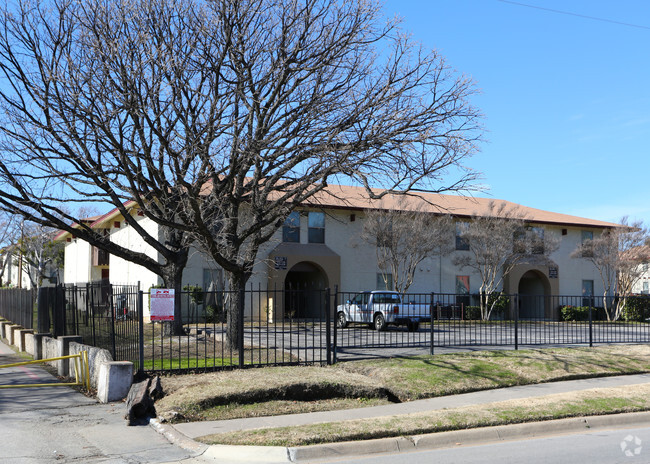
x=387, y=298
x=291, y=228
x=316, y=233
x=587, y=292
x=587, y=237
x=537, y=240
x=462, y=285
x=646, y=288
x=384, y=281
x=462, y=290
x=360, y=299
x=519, y=241
x=462, y=243
x=529, y=240
x=212, y=288
x=384, y=231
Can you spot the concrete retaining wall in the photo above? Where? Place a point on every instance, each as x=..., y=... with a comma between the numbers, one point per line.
x=96, y=357
x=44, y=346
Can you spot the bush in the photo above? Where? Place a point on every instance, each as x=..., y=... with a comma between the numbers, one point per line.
x=472, y=313
x=636, y=309
x=214, y=314
x=574, y=313
x=195, y=292
x=501, y=303
x=581, y=313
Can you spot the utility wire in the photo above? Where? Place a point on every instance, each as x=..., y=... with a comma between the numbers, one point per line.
x=575, y=14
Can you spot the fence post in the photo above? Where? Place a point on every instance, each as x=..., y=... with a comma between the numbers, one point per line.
x=112, y=311
x=431, y=310
x=140, y=306
x=336, y=329
x=240, y=325
x=59, y=311
x=591, y=320
x=43, y=314
x=517, y=321
x=328, y=328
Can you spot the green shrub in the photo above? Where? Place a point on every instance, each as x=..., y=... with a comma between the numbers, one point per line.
x=500, y=301
x=472, y=313
x=581, y=313
x=574, y=313
x=636, y=309
x=195, y=292
x=214, y=314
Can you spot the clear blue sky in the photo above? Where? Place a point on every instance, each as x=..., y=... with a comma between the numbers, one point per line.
x=566, y=98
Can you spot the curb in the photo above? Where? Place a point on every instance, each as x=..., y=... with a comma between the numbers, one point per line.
x=177, y=438
x=431, y=441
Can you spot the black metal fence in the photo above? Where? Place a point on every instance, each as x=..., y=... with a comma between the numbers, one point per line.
x=280, y=328
x=305, y=327
x=514, y=320
x=17, y=305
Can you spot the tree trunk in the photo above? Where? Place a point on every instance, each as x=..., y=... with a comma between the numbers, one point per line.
x=173, y=278
x=235, y=311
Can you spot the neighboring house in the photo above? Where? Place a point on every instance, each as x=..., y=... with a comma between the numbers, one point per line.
x=642, y=286
x=319, y=247
x=16, y=270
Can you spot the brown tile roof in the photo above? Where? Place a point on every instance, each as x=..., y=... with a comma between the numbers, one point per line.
x=355, y=198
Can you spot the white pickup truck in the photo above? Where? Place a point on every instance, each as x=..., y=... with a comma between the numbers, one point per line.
x=381, y=308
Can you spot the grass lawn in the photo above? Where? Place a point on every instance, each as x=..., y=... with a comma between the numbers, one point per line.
x=582, y=403
x=286, y=390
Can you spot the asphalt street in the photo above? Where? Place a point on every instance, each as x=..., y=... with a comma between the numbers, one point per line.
x=614, y=446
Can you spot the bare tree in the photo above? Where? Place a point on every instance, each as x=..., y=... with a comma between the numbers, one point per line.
x=617, y=254
x=498, y=241
x=404, y=236
x=9, y=236
x=219, y=117
x=39, y=254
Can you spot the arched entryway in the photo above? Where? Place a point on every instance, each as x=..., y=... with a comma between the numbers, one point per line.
x=304, y=287
x=534, y=290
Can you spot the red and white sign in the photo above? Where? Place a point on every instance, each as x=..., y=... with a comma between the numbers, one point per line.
x=162, y=304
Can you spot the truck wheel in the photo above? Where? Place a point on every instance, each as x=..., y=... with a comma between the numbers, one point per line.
x=413, y=326
x=340, y=320
x=379, y=322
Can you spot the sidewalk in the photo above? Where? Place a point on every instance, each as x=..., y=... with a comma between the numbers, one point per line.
x=184, y=434
x=198, y=429
x=59, y=424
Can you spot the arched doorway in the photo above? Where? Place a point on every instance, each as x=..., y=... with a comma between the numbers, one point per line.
x=304, y=288
x=534, y=290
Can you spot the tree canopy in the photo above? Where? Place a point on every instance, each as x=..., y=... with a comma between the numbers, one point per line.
x=219, y=117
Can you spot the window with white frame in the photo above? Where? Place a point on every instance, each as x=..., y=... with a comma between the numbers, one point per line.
x=384, y=281
x=291, y=228
x=461, y=242
x=587, y=236
x=587, y=292
x=316, y=232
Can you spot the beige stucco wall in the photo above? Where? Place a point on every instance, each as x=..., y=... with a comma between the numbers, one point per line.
x=348, y=262
x=126, y=272
x=77, y=262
